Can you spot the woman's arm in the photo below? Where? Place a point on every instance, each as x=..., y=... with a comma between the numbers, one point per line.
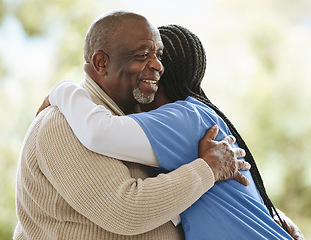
x=98, y=130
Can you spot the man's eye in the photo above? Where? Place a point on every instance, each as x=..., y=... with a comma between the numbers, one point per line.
x=144, y=55
x=159, y=56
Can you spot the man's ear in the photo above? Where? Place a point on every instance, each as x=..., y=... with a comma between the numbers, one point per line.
x=100, y=62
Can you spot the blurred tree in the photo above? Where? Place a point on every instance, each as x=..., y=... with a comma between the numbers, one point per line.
x=2, y=10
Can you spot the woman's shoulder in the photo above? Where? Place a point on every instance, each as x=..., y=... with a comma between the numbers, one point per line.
x=194, y=105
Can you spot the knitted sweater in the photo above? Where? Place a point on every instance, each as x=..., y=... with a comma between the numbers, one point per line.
x=65, y=191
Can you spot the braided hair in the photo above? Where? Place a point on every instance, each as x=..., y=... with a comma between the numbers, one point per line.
x=184, y=60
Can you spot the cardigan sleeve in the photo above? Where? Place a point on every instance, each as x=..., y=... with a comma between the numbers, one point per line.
x=102, y=188
x=98, y=129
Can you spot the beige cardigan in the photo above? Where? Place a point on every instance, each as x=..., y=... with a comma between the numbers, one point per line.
x=65, y=191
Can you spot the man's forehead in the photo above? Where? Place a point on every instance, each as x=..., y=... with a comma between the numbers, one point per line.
x=139, y=27
x=149, y=44
x=139, y=35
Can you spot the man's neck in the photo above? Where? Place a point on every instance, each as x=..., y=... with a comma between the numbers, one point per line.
x=99, y=96
x=129, y=109
x=125, y=107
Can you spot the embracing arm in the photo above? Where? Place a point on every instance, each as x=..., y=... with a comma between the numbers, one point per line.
x=103, y=190
x=98, y=129
x=220, y=156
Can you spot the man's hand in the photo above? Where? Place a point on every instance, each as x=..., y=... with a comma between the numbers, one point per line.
x=222, y=158
x=44, y=105
x=292, y=228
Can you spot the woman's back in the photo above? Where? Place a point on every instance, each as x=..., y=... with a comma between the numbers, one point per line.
x=229, y=210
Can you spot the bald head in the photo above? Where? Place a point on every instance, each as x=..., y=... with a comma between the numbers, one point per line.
x=104, y=30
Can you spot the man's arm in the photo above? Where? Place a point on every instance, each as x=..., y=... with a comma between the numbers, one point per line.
x=106, y=134
x=102, y=189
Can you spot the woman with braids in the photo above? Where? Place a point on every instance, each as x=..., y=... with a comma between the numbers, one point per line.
x=229, y=210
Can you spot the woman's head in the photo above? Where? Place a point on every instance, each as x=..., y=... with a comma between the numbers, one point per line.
x=184, y=61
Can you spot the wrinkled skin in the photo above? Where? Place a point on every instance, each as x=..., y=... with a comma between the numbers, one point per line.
x=222, y=158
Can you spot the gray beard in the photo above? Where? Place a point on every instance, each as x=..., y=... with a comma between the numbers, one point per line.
x=140, y=97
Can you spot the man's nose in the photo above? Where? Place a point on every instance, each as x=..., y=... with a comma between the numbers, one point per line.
x=155, y=64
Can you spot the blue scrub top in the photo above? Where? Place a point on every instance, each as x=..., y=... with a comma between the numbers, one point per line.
x=229, y=210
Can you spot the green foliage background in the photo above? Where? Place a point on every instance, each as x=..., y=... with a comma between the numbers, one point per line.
x=259, y=74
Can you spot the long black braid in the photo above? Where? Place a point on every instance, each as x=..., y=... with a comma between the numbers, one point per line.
x=184, y=60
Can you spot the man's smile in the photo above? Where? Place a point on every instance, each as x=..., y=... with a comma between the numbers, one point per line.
x=149, y=85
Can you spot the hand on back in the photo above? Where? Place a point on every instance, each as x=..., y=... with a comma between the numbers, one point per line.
x=222, y=158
